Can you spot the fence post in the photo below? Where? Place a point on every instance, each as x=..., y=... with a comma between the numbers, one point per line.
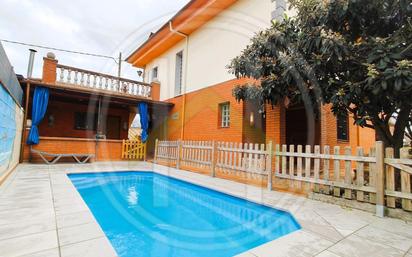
x=214, y=152
x=380, y=179
x=179, y=152
x=123, y=146
x=155, y=153
x=269, y=165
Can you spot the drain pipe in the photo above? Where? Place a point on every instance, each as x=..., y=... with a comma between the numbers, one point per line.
x=186, y=56
x=26, y=105
x=31, y=63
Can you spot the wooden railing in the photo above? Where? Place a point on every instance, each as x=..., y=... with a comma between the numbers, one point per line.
x=336, y=172
x=133, y=150
x=247, y=161
x=402, y=195
x=91, y=80
x=363, y=178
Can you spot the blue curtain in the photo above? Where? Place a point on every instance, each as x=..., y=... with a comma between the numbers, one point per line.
x=144, y=120
x=38, y=110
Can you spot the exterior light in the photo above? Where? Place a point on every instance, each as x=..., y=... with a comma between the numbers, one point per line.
x=252, y=119
x=139, y=73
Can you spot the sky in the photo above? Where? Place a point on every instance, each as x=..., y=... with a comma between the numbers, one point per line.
x=104, y=27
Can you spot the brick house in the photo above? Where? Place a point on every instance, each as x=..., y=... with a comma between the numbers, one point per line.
x=87, y=111
x=187, y=58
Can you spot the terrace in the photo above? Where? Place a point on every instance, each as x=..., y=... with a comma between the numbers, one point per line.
x=88, y=112
x=61, y=223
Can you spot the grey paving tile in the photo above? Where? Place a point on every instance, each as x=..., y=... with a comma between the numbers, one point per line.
x=25, y=245
x=70, y=208
x=300, y=243
x=393, y=225
x=73, y=219
x=246, y=254
x=11, y=217
x=47, y=253
x=99, y=247
x=382, y=236
x=327, y=254
x=75, y=234
x=354, y=246
x=26, y=228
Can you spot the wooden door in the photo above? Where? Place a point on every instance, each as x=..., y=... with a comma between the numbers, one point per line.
x=113, y=127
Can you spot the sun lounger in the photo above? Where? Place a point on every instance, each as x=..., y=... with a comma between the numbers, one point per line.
x=79, y=158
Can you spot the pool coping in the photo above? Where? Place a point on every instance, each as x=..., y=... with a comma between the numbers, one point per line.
x=327, y=230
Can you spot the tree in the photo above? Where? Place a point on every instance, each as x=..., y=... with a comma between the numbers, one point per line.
x=355, y=55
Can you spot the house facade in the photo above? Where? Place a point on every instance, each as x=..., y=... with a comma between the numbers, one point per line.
x=87, y=112
x=188, y=57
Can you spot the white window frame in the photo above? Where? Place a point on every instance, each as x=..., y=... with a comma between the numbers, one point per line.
x=225, y=115
x=179, y=73
x=155, y=73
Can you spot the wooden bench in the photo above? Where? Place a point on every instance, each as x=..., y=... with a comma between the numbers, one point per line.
x=79, y=158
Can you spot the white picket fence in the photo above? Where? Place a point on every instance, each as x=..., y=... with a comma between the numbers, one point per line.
x=245, y=160
x=338, y=172
x=361, y=177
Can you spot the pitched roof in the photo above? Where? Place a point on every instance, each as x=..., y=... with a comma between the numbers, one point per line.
x=191, y=17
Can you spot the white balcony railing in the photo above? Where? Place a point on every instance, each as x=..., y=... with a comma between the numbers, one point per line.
x=71, y=76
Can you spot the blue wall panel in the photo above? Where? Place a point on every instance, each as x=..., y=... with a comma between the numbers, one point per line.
x=7, y=127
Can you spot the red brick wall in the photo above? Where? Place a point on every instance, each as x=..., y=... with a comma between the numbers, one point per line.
x=202, y=114
x=104, y=150
x=64, y=112
x=358, y=136
x=202, y=121
x=49, y=70
x=275, y=130
x=275, y=124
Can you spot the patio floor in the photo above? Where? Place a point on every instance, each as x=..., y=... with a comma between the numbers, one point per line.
x=42, y=215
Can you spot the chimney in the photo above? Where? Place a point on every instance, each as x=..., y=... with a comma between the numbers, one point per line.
x=31, y=63
x=49, y=68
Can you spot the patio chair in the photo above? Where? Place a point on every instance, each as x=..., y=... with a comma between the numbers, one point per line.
x=79, y=158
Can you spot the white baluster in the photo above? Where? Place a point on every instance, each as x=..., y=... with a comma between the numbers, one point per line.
x=88, y=80
x=149, y=91
x=76, y=79
x=125, y=87
x=106, y=84
x=69, y=76
x=61, y=74
x=100, y=82
x=145, y=91
x=94, y=81
x=82, y=78
x=141, y=90
x=134, y=89
x=115, y=81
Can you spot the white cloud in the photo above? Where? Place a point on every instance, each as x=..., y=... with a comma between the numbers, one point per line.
x=96, y=26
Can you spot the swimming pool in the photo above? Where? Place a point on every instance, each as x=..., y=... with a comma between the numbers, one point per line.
x=148, y=214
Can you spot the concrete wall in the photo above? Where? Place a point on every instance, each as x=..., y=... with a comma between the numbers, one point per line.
x=11, y=122
x=11, y=117
x=211, y=48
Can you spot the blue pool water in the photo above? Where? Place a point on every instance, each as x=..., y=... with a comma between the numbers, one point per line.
x=147, y=214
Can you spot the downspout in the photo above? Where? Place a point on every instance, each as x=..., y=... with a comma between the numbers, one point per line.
x=26, y=106
x=186, y=56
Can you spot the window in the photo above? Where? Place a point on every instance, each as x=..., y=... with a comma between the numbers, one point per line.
x=343, y=128
x=154, y=73
x=179, y=73
x=83, y=121
x=225, y=115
